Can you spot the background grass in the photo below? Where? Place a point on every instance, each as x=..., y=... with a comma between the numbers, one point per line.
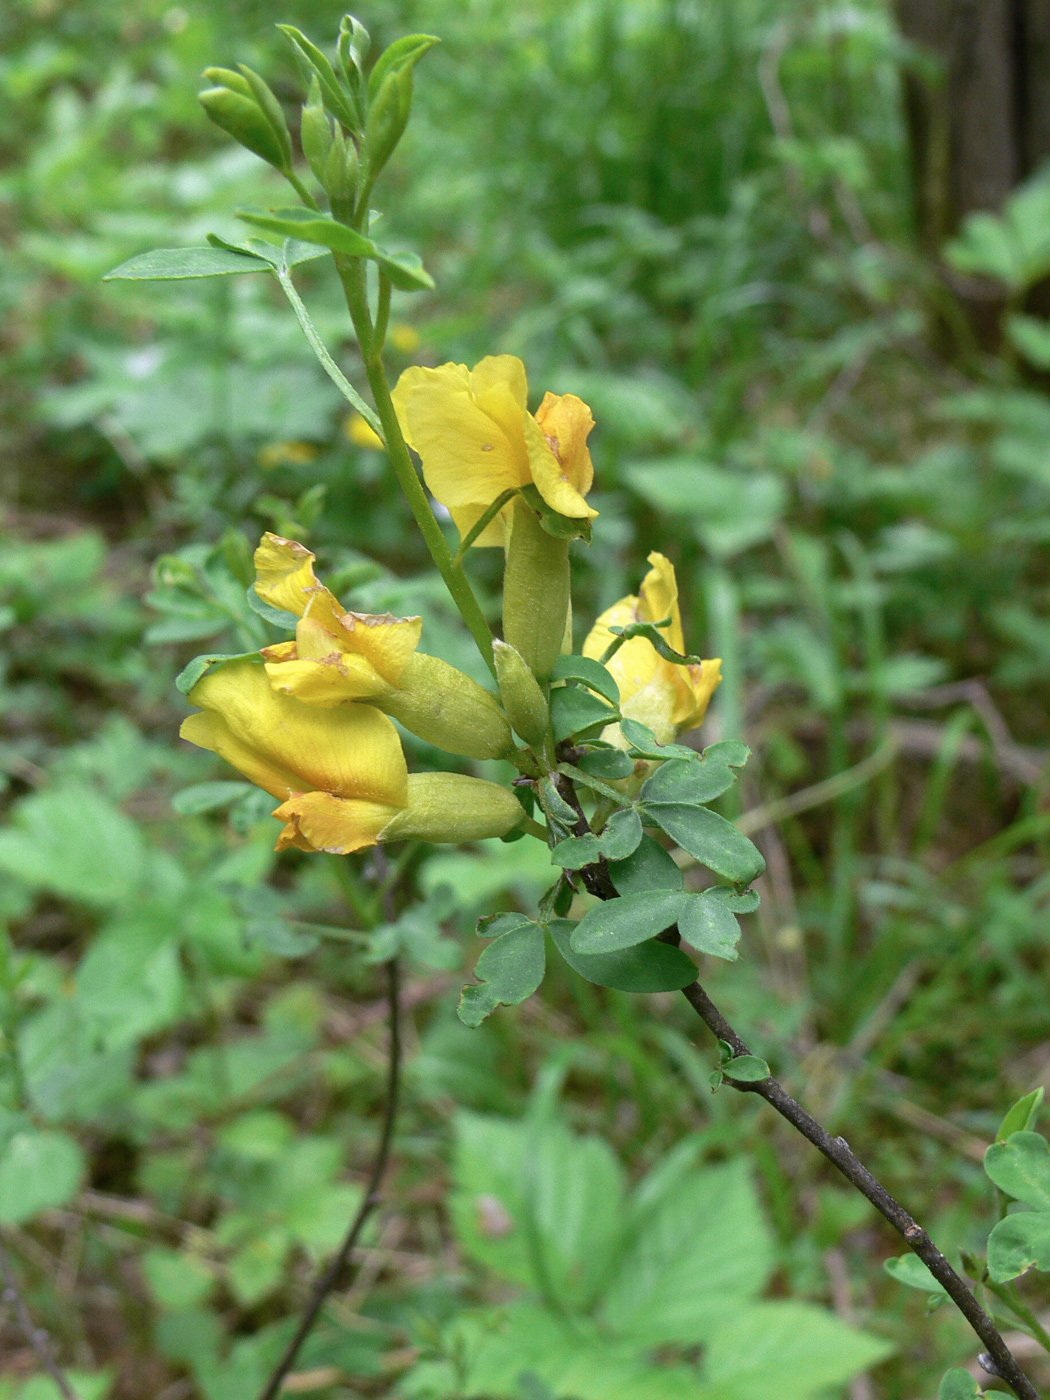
x=697, y=216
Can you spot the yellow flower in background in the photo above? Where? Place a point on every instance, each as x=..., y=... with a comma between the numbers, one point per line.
x=404, y=338
x=477, y=439
x=339, y=773
x=287, y=454
x=362, y=434
x=669, y=699
x=337, y=655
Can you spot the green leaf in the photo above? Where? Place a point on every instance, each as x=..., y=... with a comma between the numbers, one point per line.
x=576, y=851
x=590, y=672
x=73, y=842
x=510, y=969
x=729, y=511
x=708, y=922
x=643, y=743
x=621, y=923
x=578, y=713
x=176, y=1280
x=1021, y=1167
x=401, y=54
x=649, y=967
x=622, y=835
x=174, y=264
x=958, y=1384
x=1020, y=1242
x=711, y=840
x=278, y=616
x=913, y=1273
x=206, y=797
x=313, y=62
x=493, y=925
x=790, y=1351
x=1022, y=1116
x=650, y=867
x=749, y=1069
x=404, y=269
x=561, y=527
x=191, y=674
x=607, y=764
x=697, y=780
x=38, y=1171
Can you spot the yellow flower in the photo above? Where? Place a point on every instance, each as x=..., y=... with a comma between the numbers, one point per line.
x=669, y=699
x=339, y=773
x=477, y=439
x=338, y=656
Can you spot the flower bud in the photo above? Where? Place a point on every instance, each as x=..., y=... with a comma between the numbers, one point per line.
x=234, y=105
x=523, y=699
x=341, y=170
x=447, y=709
x=453, y=807
x=316, y=131
x=387, y=118
x=535, y=592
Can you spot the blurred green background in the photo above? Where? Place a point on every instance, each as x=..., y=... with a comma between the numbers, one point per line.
x=704, y=217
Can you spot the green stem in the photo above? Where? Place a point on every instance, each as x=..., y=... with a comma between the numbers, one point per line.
x=382, y=313
x=301, y=190
x=1020, y=1309
x=317, y=345
x=351, y=273
x=483, y=520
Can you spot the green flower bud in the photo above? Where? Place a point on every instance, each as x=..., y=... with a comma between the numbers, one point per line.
x=453, y=807
x=387, y=118
x=341, y=170
x=523, y=699
x=535, y=592
x=233, y=105
x=315, y=131
x=353, y=46
x=447, y=709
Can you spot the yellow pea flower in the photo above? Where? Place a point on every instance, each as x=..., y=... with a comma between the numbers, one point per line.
x=362, y=434
x=338, y=656
x=339, y=773
x=669, y=699
x=476, y=438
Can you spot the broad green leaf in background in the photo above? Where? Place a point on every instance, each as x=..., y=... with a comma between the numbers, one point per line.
x=73, y=842
x=38, y=1171
x=786, y=1350
x=729, y=511
x=699, y=1248
x=911, y=1271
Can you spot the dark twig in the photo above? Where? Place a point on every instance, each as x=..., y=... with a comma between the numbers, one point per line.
x=1000, y=1360
x=341, y=1264
x=37, y=1337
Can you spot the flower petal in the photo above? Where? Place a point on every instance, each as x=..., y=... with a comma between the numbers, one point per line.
x=549, y=475
x=469, y=457
x=350, y=750
x=659, y=599
x=566, y=422
x=209, y=730
x=284, y=574
x=704, y=680
x=496, y=532
x=337, y=825
x=385, y=641
x=326, y=680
